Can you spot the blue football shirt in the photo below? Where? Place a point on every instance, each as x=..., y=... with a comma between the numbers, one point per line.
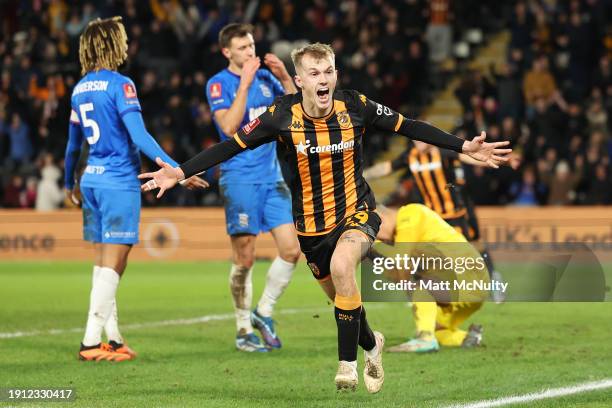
x=251, y=166
x=99, y=101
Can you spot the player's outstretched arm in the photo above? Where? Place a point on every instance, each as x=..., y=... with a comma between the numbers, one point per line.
x=489, y=154
x=167, y=177
x=384, y=118
x=259, y=131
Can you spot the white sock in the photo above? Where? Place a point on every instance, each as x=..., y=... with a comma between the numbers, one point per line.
x=278, y=278
x=241, y=287
x=96, y=272
x=372, y=353
x=100, y=304
x=112, y=324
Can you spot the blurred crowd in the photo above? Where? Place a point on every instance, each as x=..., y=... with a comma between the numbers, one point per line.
x=553, y=100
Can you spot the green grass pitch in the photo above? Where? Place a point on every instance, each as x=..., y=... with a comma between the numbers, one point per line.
x=529, y=346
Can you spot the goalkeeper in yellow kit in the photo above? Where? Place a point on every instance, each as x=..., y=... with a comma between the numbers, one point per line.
x=420, y=231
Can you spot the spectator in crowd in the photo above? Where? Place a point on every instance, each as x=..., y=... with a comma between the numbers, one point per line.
x=13, y=192
x=49, y=195
x=28, y=196
x=562, y=182
x=439, y=33
x=539, y=84
x=19, y=136
x=528, y=191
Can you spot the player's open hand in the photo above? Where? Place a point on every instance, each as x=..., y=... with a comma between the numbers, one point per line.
x=491, y=153
x=249, y=69
x=276, y=66
x=164, y=178
x=194, y=183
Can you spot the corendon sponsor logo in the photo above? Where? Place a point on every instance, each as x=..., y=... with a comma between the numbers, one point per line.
x=306, y=148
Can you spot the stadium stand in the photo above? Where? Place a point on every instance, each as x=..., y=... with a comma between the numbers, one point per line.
x=400, y=55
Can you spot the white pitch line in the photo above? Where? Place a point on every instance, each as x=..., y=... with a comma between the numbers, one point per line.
x=173, y=322
x=536, y=396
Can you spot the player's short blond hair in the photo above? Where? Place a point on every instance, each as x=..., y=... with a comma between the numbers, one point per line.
x=316, y=50
x=103, y=44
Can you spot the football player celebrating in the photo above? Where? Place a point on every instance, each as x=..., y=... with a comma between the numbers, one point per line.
x=255, y=196
x=321, y=130
x=106, y=113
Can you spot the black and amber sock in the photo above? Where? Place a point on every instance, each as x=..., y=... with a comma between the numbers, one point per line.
x=348, y=313
x=367, y=341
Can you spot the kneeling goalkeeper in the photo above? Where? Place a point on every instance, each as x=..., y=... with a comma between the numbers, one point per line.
x=419, y=232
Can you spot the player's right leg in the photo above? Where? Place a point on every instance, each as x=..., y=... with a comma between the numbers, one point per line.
x=358, y=233
x=242, y=223
x=241, y=288
x=111, y=264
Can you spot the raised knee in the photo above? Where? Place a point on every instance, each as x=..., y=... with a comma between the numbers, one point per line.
x=291, y=255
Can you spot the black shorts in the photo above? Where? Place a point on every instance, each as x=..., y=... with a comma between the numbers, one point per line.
x=318, y=249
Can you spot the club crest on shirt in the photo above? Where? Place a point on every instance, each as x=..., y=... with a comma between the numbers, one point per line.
x=215, y=90
x=265, y=90
x=344, y=119
x=129, y=91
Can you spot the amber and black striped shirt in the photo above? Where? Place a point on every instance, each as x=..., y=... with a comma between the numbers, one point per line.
x=324, y=154
x=439, y=176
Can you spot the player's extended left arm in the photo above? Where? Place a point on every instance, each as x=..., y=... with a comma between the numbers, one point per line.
x=257, y=132
x=491, y=154
x=167, y=177
x=385, y=118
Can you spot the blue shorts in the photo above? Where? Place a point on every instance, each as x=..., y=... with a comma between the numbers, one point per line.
x=254, y=208
x=110, y=216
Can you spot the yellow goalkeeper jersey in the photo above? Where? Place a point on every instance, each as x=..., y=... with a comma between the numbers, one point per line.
x=417, y=223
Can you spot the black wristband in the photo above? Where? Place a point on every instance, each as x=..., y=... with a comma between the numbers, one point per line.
x=210, y=157
x=423, y=131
